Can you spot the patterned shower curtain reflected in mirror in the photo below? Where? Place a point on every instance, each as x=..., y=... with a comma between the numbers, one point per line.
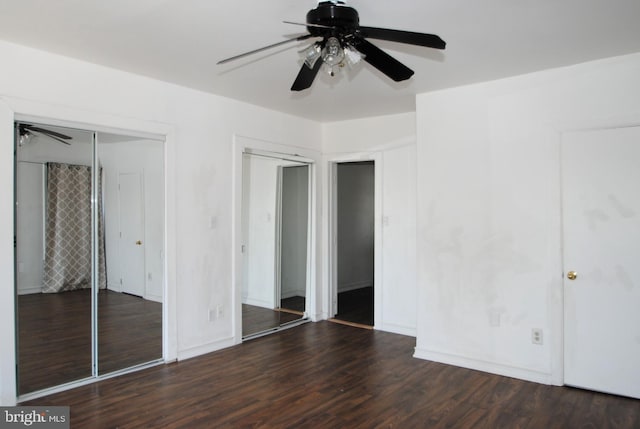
x=67, y=264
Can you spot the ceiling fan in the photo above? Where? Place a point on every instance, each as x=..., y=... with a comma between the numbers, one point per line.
x=27, y=132
x=344, y=40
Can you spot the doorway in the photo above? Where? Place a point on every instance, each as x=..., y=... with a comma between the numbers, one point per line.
x=601, y=246
x=69, y=268
x=355, y=242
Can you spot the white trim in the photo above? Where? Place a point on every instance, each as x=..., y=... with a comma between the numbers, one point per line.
x=244, y=144
x=346, y=287
x=30, y=290
x=12, y=109
x=331, y=239
x=485, y=366
x=395, y=328
x=8, y=394
x=259, y=303
x=152, y=297
x=205, y=348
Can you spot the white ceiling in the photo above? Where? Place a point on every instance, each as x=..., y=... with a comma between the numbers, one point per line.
x=180, y=41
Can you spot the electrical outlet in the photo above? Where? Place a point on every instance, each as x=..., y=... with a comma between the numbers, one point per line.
x=536, y=336
x=220, y=310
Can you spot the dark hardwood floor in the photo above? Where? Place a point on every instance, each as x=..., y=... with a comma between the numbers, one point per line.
x=55, y=336
x=325, y=375
x=258, y=319
x=356, y=306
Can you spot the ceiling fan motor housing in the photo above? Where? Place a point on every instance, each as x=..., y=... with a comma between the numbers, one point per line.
x=341, y=19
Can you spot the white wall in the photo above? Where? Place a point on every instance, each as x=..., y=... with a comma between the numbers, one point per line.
x=488, y=196
x=29, y=227
x=390, y=141
x=356, y=191
x=198, y=157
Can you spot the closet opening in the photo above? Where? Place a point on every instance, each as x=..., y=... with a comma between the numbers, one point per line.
x=89, y=255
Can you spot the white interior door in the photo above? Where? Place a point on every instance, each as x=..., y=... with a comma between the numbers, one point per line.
x=601, y=225
x=131, y=205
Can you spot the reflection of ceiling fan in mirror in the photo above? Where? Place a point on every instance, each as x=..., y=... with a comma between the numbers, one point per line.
x=27, y=132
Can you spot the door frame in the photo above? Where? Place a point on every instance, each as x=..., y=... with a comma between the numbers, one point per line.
x=332, y=233
x=21, y=110
x=251, y=145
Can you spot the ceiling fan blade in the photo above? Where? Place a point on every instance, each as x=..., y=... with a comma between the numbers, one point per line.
x=308, y=24
x=51, y=136
x=255, y=51
x=306, y=76
x=45, y=131
x=408, y=37
x=383, y=61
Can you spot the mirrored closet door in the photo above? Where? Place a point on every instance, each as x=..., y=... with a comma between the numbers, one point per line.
x=275, y=225
x=89, y=254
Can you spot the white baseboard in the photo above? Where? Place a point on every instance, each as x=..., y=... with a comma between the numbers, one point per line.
x=205, y=348
x=29, y=290
x=485, y=366
x=258, y=303
x=154, y=298
x=115, y=287
x=346, y=287
x=292, y=293
x=398, y=329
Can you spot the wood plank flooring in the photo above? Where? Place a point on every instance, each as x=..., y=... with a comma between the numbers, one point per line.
x=55, y=336
x=325, y=375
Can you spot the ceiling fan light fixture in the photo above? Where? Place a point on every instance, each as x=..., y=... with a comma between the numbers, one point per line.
x=332, y=53
x=25, y=138
x=352, y=55
x=311, y=54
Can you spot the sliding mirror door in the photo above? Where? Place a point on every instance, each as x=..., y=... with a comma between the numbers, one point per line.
x=53, y=245
x=275, y=228
x=130, y=306
x=293, y=218
x=275, y=219
x=89, y=254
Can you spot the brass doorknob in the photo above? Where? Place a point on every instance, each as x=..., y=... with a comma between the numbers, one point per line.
x=571, y=275
x=138, y=243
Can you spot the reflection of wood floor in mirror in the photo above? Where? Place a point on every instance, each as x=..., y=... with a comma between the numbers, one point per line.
x=258, y=319
x=55, y=335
